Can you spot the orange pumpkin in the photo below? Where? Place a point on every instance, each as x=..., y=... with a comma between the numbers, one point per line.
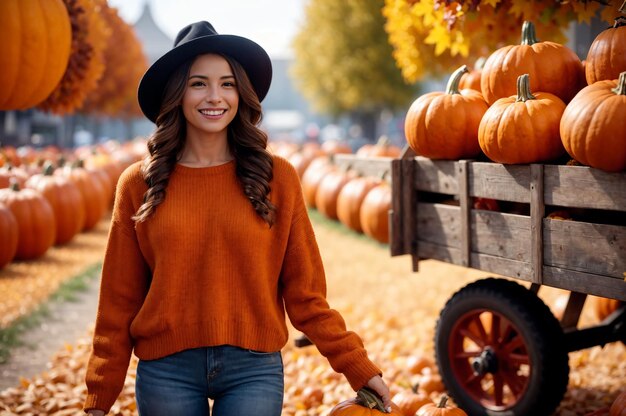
x=606, y=58
x=333, y=147
x=522, y=128
x=552, y=67
x=312, y=178
x=382, y=148
x=66, y=202
x=35, y=220
x=365, y=404
x=9, y=231
x=444, y=125
x=471, y=79
x=618, y=408
x=92, y=191
x=374, y=213
x=9, y=171
x=593, y=125
x=350, y=200
x=440, y=409
x=328, y=192
x=36, y=40
x=410, y=401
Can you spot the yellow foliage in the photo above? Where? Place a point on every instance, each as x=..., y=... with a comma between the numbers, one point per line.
x=432, y=37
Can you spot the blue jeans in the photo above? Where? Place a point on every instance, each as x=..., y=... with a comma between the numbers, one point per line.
x=241, y=382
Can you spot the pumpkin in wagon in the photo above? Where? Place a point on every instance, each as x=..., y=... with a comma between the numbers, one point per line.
x=593, y=125
x=523, y=128
x=552, y=67
x=444, y=125
x=606, y=58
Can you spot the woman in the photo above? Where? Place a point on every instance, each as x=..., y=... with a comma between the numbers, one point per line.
x=210, y=244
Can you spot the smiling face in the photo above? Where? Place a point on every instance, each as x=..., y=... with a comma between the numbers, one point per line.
x=211, y=97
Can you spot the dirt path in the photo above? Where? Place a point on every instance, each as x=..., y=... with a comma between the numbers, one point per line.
x=67, y=322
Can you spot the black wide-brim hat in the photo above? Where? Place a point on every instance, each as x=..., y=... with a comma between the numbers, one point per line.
x=196, y=39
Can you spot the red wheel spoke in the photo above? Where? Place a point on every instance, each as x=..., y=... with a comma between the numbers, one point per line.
x=467, y=354
x=498, y=389
x=495, y=328
x=516, y=382
x=472, y=335
x=473, y=382
x=517, y=359
x=508, y=331
x=513, y=344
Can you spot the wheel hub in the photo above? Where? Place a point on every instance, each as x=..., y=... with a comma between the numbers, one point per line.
x=487, y=362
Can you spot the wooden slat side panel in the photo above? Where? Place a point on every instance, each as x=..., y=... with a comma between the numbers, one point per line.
x=439, y=176
x=585, y=247
x=438, y=252
x=584, y=187
x=396, y=216
x=506, y=267
x=537, y=211
x=439, y=224
x=501, y=235
x=497, y=181
x=464, y=202
x=607, y=287
x=365, y=166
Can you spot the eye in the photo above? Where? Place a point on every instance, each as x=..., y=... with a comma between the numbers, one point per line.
x=197, y=84
x=229, y=84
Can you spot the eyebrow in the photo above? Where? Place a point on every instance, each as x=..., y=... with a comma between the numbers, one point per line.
x=205, y=77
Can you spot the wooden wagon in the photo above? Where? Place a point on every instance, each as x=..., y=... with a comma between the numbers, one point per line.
x=499, y=348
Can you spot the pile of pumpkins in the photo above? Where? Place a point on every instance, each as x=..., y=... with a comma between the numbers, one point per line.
x=531, y=103
x=361, y=203
x=45, y=200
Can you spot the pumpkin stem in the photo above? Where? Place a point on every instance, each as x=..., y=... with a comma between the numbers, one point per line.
x=370, y=399
x=480, y=63
x=48, y=169
x=455, y=78
x=383, y=141
x=528, y=34
x=621, y=85
x=442, y=402
x=523, y=89
x=14, y=185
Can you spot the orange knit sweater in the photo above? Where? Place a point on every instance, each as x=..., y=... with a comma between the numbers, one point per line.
x=206, y=270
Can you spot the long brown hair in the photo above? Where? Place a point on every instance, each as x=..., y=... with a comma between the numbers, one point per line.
x=247, y=143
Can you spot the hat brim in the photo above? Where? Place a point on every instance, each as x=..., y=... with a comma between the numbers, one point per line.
x=249, y=54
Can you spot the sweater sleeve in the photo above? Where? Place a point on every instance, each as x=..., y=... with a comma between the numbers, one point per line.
x=124, y=282
x=304, y=292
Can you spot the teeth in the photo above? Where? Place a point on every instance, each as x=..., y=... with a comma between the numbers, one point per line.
x=212, y=112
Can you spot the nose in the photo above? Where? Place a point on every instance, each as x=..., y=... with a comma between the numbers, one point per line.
x=213, y=95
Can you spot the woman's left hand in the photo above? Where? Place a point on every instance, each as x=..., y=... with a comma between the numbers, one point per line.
x=377, y=384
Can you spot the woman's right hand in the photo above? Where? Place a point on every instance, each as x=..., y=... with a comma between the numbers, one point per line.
x=95, y=412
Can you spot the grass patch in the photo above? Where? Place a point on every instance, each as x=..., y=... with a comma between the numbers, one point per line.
x=10, y=337
x=319, y=218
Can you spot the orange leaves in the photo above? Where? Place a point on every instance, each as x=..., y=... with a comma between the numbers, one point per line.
x=101, y=77
x=432, y=37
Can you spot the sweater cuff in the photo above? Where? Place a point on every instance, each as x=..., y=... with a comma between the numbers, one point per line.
x=99, y=402
x=360, y=373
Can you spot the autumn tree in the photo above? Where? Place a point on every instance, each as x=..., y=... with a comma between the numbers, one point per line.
x=433, y=37
x=344, y=64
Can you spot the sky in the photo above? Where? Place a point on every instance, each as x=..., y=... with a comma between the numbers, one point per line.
x=270, y=23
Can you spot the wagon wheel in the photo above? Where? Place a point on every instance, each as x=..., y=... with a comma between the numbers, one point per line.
x=500, y=351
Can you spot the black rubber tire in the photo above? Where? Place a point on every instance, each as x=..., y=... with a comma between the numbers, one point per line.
x=549, y=371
